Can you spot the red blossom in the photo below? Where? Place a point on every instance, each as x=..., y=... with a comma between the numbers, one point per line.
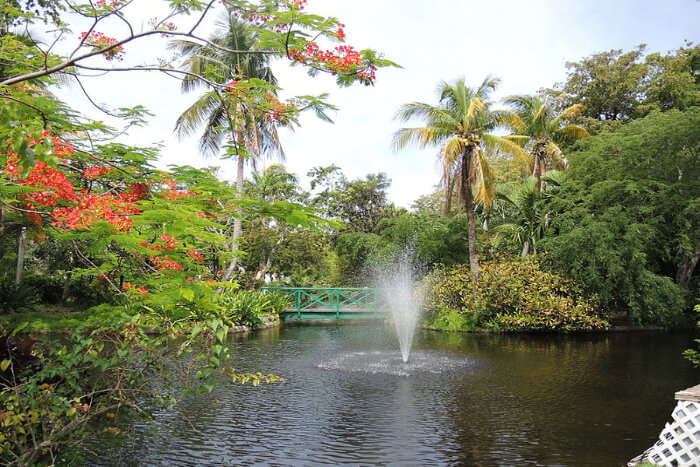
x=164, y=263
x=91, y=208
x=343, y=59
x=95, y=171
x=135, y=192
x=100, y=41
x=130, y=286
x=177, y=194
x=62, y=149
x=194, y=254
x=53, y=184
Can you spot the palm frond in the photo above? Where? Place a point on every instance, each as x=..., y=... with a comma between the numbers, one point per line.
x=555, y=177
x=475, y=106
x=421, y=136
x=494, y=142
x=485, y=183
x=572, y=112
x=575, y=131
x=487, y=86
x=196, y=114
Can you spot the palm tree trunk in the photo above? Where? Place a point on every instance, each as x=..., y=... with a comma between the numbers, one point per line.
x=469, y=207
x=539, y=166
x=448, y=197
x=237, y=222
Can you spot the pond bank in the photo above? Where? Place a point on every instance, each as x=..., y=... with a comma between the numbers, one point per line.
x=597, y=331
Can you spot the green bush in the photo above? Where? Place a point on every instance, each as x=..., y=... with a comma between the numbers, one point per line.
x=248, y=306
x=512, y=295
x=14, y=298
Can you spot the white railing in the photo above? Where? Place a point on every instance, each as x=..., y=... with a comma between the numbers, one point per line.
x=679, y=441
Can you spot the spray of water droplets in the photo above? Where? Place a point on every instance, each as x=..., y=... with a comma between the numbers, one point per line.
x=398, y=292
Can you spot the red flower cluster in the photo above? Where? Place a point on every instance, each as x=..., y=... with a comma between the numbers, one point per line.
x=92, y=208
x=95, y=171
x=104, y=4
x=135, y=192
x=169, y=243
x=278, y=109
x=99, y=40
x=235, y=87
x=172, y=193
x=34, y=141
x=165, y=263
x=55, y=186
x=195, y=255
x=62, y=149
x=130, y=286
x=11, y=164
x=255, y=18
x=343, y=59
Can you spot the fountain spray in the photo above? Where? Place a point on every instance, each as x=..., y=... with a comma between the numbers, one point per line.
x=397, y=285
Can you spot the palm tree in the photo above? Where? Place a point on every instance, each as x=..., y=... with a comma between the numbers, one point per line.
x=542, y=129
x=219, y=116
x=462, y=126
x=273, y=184
x=530, y=217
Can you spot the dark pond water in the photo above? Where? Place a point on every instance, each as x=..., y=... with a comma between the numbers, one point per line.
x=463, y=399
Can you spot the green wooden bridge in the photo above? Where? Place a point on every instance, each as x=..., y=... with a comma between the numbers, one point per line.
x=332, y=303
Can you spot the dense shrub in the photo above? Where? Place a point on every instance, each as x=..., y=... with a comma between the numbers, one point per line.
x=512, y=295
x=15, y=297
x=248, y=306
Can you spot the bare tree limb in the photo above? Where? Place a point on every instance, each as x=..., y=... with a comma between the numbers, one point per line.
x=201, y=17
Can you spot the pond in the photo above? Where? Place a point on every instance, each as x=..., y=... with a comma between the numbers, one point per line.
x=462, y=399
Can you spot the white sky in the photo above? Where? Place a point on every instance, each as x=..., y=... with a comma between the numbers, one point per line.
x=525, y=43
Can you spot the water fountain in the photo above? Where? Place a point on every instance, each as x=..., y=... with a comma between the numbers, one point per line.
x=398, y=292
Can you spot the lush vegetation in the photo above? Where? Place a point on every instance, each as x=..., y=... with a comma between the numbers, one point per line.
x=134, y=264
x=511, y=295
x=565, y=210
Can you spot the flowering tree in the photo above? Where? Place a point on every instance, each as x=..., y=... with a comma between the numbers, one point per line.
x=152, y=244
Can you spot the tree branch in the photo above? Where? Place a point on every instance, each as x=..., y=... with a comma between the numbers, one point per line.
x=37, y=109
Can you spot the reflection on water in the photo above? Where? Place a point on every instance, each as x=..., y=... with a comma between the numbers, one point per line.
x=464, y=399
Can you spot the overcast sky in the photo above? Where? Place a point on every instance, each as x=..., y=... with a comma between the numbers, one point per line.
x=525, y=43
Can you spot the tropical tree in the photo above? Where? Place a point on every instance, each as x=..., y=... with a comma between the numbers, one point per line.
x=462, y=125
x=273, y=184
x=250, y=135
x=542, y=128
x=529, y=216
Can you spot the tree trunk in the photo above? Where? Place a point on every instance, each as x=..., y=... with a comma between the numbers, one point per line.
x=66, y=288
x=237, y=222
x=66, y=281
x=526, y=249
x=469, y=207
x=686, y=268
x=20, y=255
x=448, y=197
x=540, y=154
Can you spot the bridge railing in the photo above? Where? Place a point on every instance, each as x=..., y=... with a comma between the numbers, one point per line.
x=335, y=301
